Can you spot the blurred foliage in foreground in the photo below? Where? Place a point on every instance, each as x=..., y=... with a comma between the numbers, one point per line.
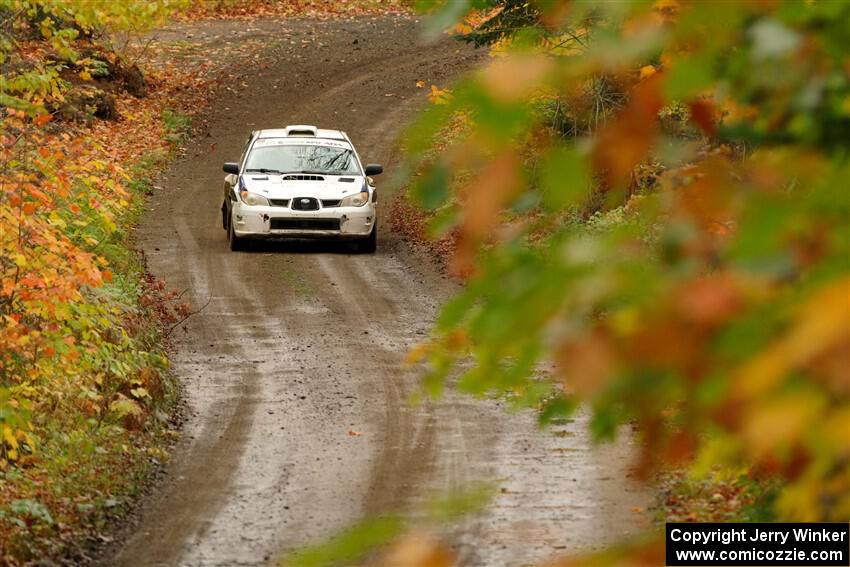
x=707, y=302
x=403, y=543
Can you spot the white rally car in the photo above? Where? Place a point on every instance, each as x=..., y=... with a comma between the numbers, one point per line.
x=300, y=181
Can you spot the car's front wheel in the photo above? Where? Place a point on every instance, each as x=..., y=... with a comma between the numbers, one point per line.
x=369, y=244
x=235, y=243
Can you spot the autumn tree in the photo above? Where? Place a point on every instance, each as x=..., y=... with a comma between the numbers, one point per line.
x=682, y=263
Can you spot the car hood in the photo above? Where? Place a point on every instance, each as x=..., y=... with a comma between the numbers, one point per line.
x=276, y=187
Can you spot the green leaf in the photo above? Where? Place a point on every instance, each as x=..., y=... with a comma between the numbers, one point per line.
x=689, y=76
x=462, y=503
x=431, y=192
x=564, y=178
x=556, y=409
x=31, y=509
x=349, y=545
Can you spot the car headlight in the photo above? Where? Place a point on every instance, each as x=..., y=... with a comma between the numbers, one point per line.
x=356, y=200
x=253, y=199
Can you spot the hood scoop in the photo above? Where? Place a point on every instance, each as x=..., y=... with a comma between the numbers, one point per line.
x=302, y=177
x=346, y=179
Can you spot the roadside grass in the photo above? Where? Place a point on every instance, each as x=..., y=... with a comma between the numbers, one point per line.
x=100, y=434
x=90, y=465
x=87, y=477
x=714, y=497
x=177, y=125
x=250, y=9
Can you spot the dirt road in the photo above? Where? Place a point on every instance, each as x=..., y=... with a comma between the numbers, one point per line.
x=300, y=347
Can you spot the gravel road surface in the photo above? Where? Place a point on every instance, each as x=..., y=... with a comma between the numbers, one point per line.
x=299, y=421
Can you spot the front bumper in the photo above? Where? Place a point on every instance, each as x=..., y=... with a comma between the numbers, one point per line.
x=281, y=222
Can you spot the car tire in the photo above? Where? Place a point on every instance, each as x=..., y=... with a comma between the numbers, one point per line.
x=224, y=216
x=235, y=243
x=369, y=244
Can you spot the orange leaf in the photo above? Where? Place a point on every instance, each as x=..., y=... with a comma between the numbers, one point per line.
x=709, y=300
x=439, y=96
x=418, y=549
x=510, y=79
x=417, y=353
x=42, y=119
x=486, y=197
x=623, y=143
x=587, y=364
x=702, y=114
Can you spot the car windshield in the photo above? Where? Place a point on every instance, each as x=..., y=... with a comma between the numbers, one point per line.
x=313, y=158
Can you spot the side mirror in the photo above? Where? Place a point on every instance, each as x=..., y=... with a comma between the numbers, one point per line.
x=231, y=167
x=373, y=169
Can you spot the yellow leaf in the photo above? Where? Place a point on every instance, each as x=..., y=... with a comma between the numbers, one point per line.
x=9, y=437
x=777, y=424
x=625, y=321
x=439, y=96
x=85, y=75
x=647, y=71
x=821, y=323
x=140, y=392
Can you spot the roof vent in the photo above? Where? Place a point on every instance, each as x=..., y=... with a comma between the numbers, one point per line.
x=301, y=130
x=302, y=177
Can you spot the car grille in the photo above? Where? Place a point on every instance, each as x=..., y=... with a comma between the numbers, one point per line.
x=305, y=224
x=305, y=204
x=279, y=202
x=330, y=202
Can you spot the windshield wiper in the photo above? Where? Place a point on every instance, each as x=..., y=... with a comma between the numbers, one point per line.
x=263, y=170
